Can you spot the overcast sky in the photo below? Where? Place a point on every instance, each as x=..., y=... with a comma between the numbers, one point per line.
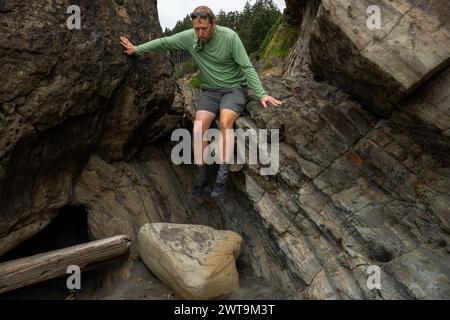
x=170, y=11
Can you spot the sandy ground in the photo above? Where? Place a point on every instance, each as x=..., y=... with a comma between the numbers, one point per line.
x=141, y=285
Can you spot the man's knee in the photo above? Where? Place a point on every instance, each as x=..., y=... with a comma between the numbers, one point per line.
x=202, y=124
x=226, y=122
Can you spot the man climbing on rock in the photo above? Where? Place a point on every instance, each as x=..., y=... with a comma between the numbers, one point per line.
x=226, y=71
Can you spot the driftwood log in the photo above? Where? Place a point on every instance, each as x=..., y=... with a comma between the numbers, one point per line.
x=25, y=271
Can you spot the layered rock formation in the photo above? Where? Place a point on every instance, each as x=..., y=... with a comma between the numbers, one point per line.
x=355, y=190
x=364, y=175
x=352, y=192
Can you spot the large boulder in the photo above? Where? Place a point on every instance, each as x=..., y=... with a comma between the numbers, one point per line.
x=380, y=66
x=198, y=262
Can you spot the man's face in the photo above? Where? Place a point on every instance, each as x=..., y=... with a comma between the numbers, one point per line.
x=203, y=29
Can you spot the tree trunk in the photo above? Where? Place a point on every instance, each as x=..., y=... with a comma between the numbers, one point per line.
x=25, y=271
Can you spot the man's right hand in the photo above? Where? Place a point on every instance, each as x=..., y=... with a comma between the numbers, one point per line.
x=128, y=46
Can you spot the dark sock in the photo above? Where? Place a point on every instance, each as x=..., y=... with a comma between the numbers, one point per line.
x=222, y=174
x=201, y=176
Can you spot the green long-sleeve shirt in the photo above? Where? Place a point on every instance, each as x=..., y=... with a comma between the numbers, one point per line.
x=222, y=61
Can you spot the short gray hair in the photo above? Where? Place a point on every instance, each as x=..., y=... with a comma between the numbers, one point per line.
x=207, y=10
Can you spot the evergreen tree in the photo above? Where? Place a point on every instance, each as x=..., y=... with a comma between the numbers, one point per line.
x=181, y=25
x=245, y=25
x=232, y=20
x=221, y=18
x=264, y=14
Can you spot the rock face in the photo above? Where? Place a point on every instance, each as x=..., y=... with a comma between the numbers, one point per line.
x=381, y=66
x=122, y=196
x=197, y=261
x=65, y=94
x=431, y=103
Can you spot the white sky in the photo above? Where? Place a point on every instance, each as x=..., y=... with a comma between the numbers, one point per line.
x=170, y=11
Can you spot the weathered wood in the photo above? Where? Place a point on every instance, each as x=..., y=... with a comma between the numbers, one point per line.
x=25, y=271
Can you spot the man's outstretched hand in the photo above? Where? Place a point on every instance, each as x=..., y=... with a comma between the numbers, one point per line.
x=272, y=100
x=128, y=46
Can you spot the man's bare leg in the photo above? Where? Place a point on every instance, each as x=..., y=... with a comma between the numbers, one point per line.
x=227, y=120
x=226, y=141
x=203, y=120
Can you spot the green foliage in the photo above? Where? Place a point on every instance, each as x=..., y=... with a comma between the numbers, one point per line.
x=277, y=44
x=196, y=81
x=182, y=69
x=256, y=22
x=228, y=19
x=268, y=37
x=181, y=25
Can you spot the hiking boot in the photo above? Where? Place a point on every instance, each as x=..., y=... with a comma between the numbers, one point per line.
x=221, y=180
x=218, y=191
x=201, y=179
x=197, y=192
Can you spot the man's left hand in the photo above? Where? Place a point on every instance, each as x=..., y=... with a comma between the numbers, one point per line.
x=272, y=100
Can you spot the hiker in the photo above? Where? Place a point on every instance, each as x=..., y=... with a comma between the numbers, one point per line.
x=226, y=71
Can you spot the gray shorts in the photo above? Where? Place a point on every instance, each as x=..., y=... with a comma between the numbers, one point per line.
x=215, y=100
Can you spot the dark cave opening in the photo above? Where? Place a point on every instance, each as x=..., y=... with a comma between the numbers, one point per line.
x=69, y=228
